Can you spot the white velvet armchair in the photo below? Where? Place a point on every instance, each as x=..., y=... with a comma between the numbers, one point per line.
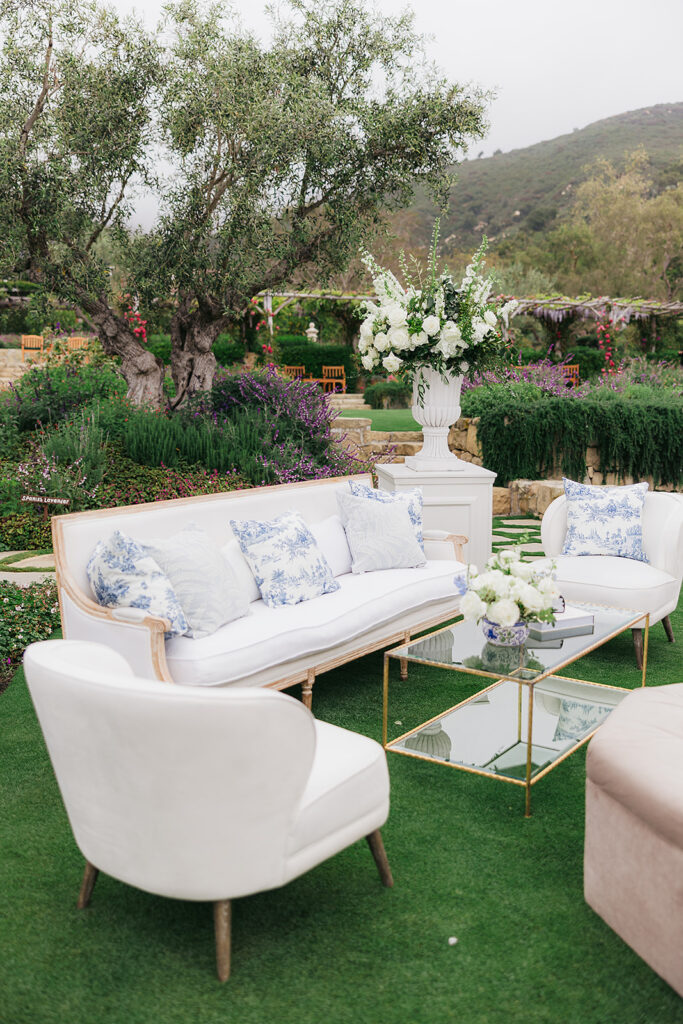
x=196, y=793
x=652, y=587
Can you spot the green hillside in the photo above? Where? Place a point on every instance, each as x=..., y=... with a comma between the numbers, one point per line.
x=530, y=187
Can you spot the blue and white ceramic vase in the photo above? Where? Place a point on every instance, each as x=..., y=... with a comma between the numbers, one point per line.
x=505, y=636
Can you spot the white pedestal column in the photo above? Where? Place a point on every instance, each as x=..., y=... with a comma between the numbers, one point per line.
x=458, y=502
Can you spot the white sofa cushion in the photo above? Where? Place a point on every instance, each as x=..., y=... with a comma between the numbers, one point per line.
x=287, y=564
x=122, y=575
x=207, y=588
x=238, y=565
x=336, y=796
x=617, y=582
x=273, y=636
x=380, y=536
x=331, y=539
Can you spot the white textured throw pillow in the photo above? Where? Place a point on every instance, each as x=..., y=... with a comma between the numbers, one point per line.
x=122, y=575
x=380, y=536
x=209, y=592
x=286, y=562
x=605, y=520
x=331, y=539
x=412, y=500
x=237, y=563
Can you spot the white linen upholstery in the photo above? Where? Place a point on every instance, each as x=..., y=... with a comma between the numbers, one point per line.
x=274, y=636
x=633, y=857
x=624, y=582
x=331, y=539
x=198, y=794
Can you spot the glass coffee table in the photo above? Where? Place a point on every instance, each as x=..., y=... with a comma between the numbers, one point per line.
x=527, y=721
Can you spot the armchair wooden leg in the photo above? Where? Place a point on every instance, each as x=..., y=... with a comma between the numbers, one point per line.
x=379, y=853
x=222, y=914
x=668, y=629
x=638, y=646
x=87, y=885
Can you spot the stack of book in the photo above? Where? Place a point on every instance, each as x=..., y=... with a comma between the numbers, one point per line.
x=571, y=622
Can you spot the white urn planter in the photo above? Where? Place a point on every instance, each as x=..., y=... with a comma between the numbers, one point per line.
x=439, y=411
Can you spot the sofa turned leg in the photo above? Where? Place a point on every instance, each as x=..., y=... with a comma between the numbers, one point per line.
x=221, y=923
x=379, y=853
x=307, y=689
x=668, y=629
x=403, y=662
x=87, y=885
x=638, y=646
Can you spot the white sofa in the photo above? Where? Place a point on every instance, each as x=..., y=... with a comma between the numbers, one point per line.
x=274, y=647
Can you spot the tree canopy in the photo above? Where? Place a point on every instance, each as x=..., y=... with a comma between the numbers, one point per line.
x=264, y=159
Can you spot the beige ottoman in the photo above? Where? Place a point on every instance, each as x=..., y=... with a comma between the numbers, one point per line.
x=633, y=860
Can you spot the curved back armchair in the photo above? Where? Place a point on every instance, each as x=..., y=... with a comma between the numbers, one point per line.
x=653, y=586
x=197, y=794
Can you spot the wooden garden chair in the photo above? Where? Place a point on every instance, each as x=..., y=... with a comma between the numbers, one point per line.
x=294, y=371
x=31, y=343
x=571, y=375
x=76, y=343
x=334, y=378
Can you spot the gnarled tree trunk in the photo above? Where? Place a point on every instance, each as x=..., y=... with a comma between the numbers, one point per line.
x=193, y=363
x=142, y=371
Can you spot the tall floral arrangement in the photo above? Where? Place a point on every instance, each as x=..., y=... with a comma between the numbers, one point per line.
x=449, y=327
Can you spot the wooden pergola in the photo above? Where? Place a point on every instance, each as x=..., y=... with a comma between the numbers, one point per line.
x=557, y=308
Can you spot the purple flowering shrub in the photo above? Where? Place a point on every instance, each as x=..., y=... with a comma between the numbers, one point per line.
x=284, y=426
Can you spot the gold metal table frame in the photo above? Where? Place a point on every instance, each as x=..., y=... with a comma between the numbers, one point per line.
x=402, y=654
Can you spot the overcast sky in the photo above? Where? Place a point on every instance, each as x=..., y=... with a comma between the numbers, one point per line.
x=556, y=65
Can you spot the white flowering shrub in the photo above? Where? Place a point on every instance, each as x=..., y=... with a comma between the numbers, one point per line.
x=508, y=591
x=440, y=324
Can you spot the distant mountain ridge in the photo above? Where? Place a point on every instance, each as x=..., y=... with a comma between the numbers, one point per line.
x=531, y=187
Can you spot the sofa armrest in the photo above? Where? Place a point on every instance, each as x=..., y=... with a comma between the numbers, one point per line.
x=443, y=544
x=135, y=634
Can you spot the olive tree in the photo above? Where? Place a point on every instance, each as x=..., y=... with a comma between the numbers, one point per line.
x=76, y=103
x=269, y=158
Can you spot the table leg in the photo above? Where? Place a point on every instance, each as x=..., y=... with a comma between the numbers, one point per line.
x=529, y=743
x=385, y=700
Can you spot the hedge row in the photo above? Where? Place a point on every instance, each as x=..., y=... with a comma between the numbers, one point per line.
x=635, y=437
x=297, y=352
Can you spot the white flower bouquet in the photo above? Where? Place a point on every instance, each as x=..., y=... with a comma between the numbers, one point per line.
x=509, y=591
x=436, y=323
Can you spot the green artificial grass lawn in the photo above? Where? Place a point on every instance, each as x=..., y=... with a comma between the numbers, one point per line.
x=334, y=945
x=385, y=419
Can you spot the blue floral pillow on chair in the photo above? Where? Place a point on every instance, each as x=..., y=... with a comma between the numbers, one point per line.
x=605, y=520
x=123, y=576
x=412, y=500
x=287, y=564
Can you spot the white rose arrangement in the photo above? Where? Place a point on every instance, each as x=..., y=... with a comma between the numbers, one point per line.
x=508, y=591
x=438, y=323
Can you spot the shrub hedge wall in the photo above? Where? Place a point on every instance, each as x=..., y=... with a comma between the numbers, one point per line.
x=297, y=352
x=389, y=394
x=635, y=436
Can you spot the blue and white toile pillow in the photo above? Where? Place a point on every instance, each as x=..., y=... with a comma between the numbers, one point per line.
x=412, y=499
x=287, y=564
x=578, y=718
x=605, y=520
x=380, y=534
x=123, y=576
